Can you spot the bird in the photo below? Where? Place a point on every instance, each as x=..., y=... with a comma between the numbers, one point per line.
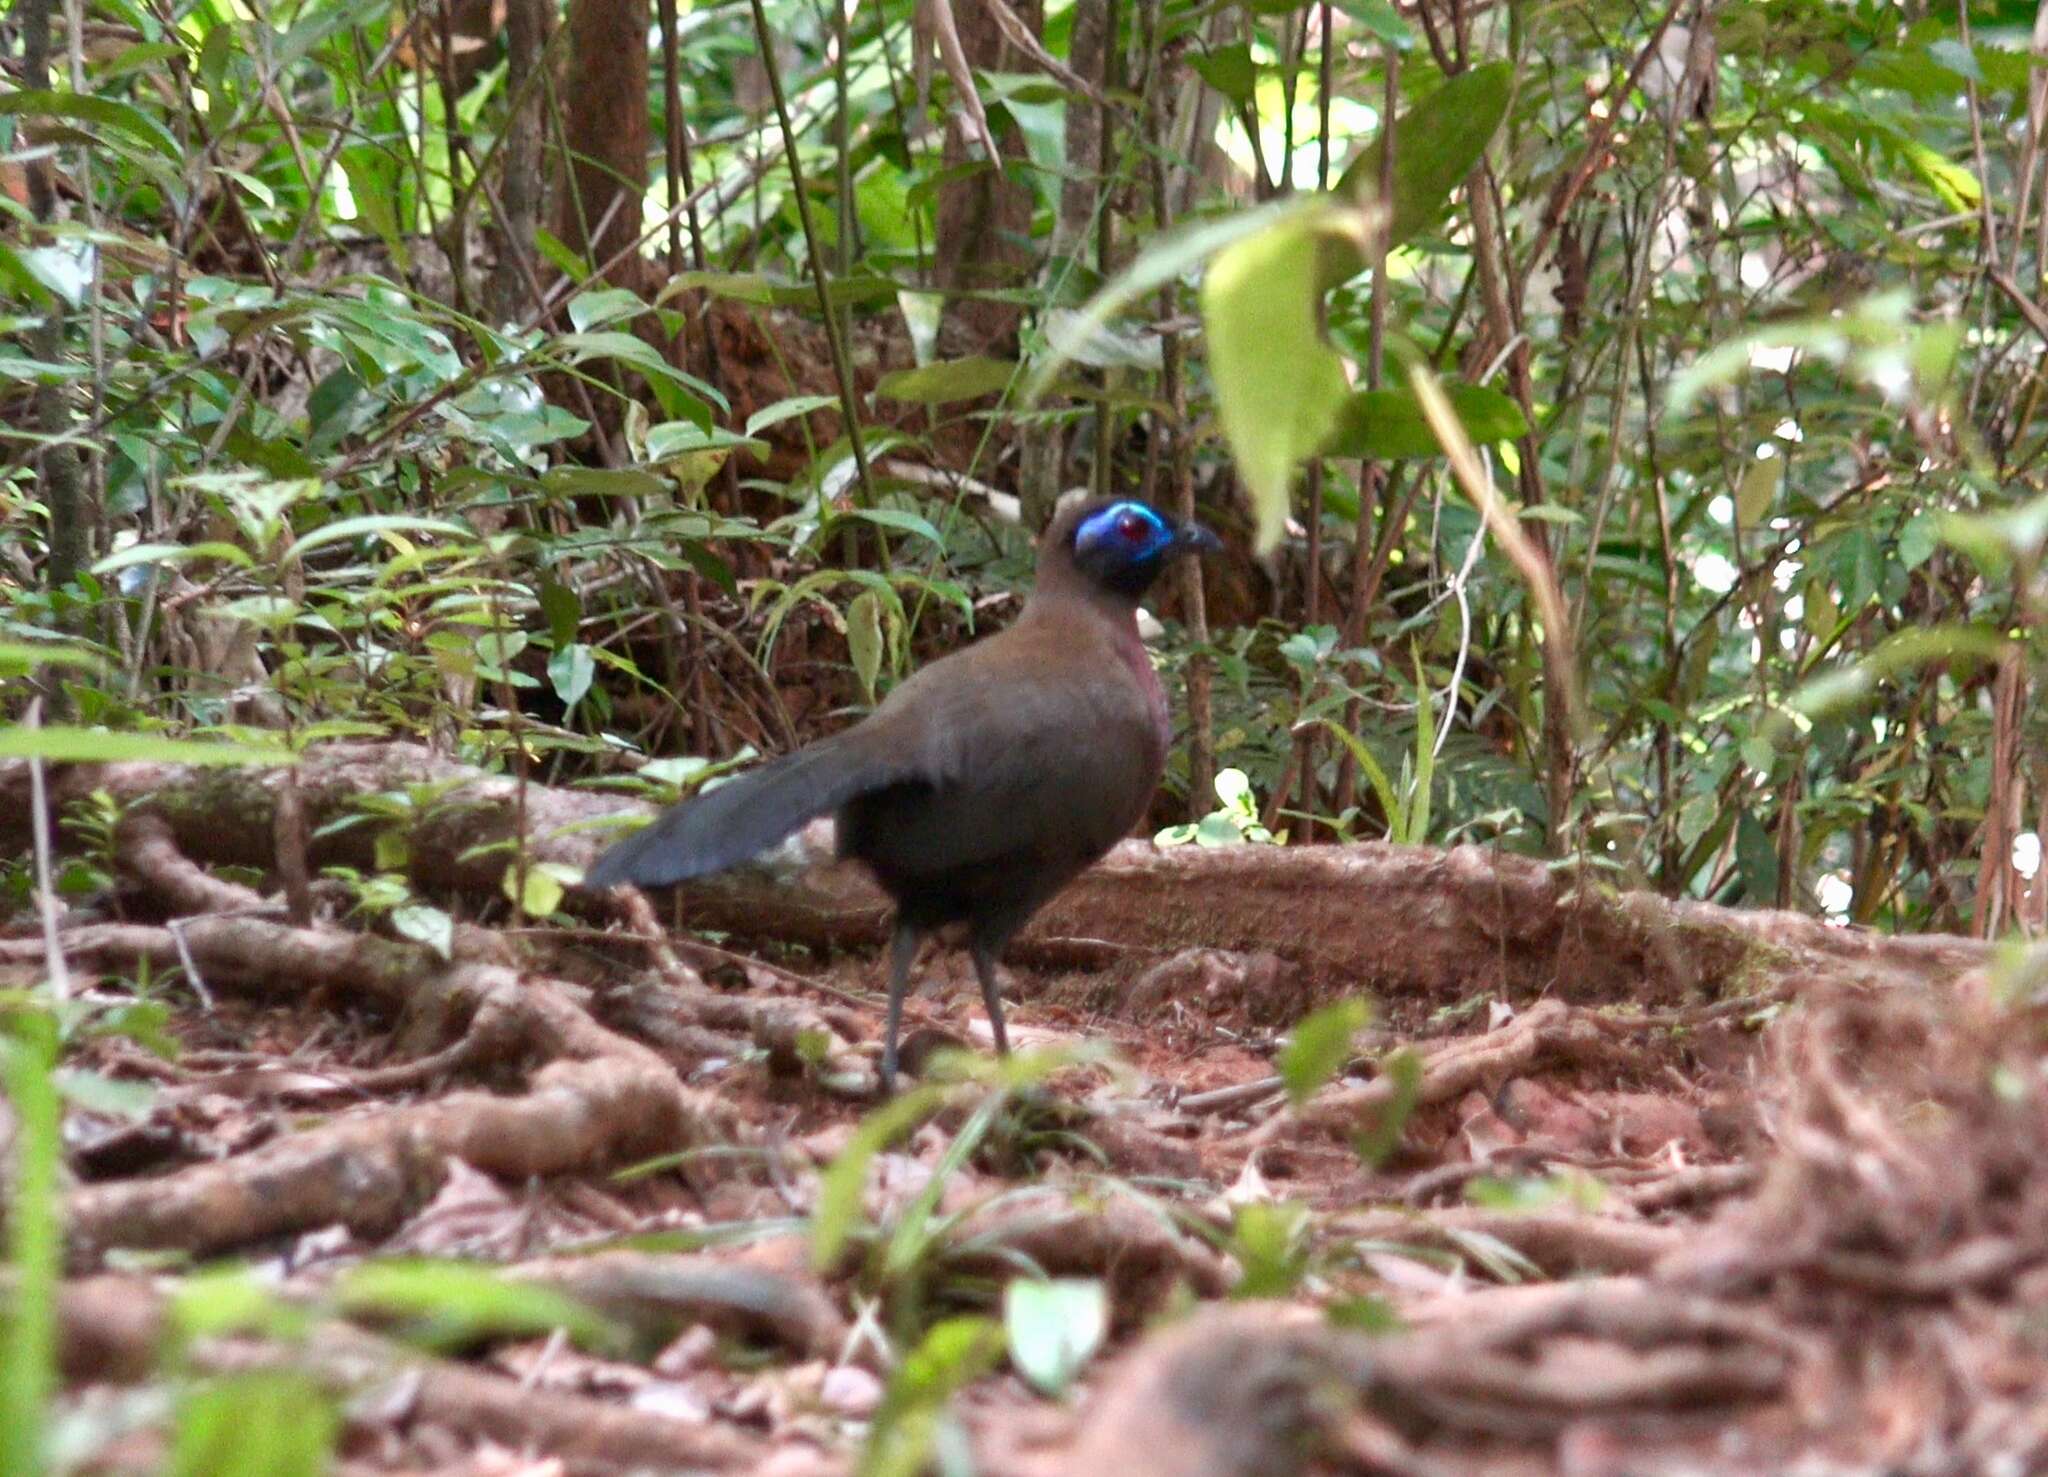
x=986, y=781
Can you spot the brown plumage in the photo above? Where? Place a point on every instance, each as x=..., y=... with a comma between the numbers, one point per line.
x=982, y=785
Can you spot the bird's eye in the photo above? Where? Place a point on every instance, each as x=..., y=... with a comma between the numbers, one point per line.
x=1130, y=528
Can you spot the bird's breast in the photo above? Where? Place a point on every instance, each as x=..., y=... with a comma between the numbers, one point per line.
x=1130, y=649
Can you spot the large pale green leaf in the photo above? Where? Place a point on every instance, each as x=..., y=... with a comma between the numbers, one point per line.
x=1320, y=1045
x=96, y=746
x=949, y=379
x=1230, y=70
x=1054, y=1327
x=172, y=554
x=104, y=111
x=1388, y=424
x=1162, y=261
x=258, y=1423
x=1279, y=387
x=1436, y=143
x=450, y=1305
x=376, y=523
x=18, y=657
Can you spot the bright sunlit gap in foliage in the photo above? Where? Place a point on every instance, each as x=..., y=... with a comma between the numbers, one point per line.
x=1714, y=572
x=2026, y=854
x=1834, y=894
x=1351, y=123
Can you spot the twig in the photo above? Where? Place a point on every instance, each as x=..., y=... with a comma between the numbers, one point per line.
x=842, y=366
x=46, y=892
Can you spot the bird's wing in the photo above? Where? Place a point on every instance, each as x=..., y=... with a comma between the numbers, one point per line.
x=748, y=814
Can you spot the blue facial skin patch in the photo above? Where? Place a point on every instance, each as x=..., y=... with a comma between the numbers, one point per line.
x=1133, y=531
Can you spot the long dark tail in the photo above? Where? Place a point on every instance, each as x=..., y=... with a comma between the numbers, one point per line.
x=741, y=818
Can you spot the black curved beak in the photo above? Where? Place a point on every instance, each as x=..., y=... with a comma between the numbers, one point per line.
x=1192, y=538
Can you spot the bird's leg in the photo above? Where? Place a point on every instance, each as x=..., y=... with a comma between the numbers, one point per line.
x=902, y=953
x=985, y=970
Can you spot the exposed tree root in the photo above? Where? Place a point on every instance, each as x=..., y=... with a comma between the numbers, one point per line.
x=112, y=1328
x=1549, y=1029
x=1265, y=1391
x=1133, y=1247
x=595, y=1098
x=1559, y=1242
x=1389, y=919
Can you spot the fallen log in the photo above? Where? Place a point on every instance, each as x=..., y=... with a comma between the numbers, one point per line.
x=1394, y=921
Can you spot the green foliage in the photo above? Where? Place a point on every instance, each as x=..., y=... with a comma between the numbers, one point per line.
x=1319, y=1047
x=28, y=1313
x=1235, y=820
x=1279, y=387
x=444, y=1305
x=1383, y=1135
x=1054, y=1327
x=913, y=1427
x=1271, y=1241
x=266, y=1423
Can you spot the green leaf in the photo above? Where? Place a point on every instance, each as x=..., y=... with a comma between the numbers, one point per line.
x=229, y=1299
x=105, y=111
x=1830, y=693
x=953, y=1354
x=1230, y=70
x=1320, y=1046
x=839, y=1189
x=1919, y=539
x=445, y=1305
x=1054, y=1328
x=1391, y=804
x=947, y=380
x=1388, y=424
x=1759, y=490
x=1364, y=1314
x=594, y=309
x=544, y=891
x=18, y=658
x=172, y=554
x=117, y=1097
x=562, y=610
x=427, y=925
x=1436, y=144
x=1380, y=18
x=1164, y=260
x=1279, y=387
x=97, y=746
x=266, y=1423
x=571, y=670
x=566, y=482
x=782, y=410
x=1756, y=859
x=864, y=639
x=350, y=528
x=1404, y=1069
x=1272, y=1246
x=35, y=1240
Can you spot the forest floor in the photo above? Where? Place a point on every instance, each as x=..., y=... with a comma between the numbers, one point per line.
x=1797, y=1226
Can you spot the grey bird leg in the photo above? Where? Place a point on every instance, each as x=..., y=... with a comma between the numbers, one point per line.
x=902, y=953
x=985, y=971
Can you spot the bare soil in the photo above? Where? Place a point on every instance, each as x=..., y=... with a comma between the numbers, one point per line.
x=1776, y=1209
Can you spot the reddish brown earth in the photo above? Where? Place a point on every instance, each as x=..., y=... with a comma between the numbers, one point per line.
x=1777, y=1208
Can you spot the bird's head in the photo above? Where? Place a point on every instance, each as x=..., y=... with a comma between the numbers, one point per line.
x=1117, y=546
